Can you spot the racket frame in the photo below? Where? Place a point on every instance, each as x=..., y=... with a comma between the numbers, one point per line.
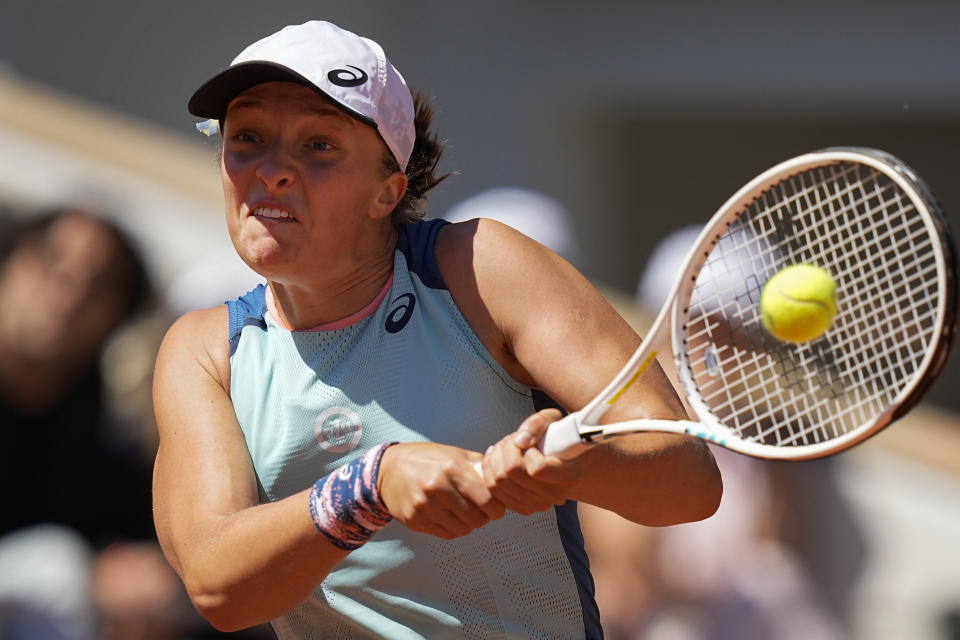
x=569, y=436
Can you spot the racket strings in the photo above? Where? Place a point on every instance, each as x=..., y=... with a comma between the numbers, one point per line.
x=865, y=250
x=889, y=374
x=863, y=228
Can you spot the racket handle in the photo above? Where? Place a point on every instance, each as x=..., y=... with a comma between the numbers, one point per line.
x=562, y=440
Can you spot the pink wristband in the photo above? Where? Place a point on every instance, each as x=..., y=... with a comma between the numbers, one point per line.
x=345, y=504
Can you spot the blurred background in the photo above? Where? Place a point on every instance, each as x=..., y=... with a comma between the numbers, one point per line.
x=628, y=123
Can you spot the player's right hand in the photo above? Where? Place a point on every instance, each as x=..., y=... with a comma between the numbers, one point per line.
x=433, y=488
x=521, y=477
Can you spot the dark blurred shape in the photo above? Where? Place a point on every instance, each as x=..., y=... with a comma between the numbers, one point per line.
x=951, y=623
x=67, y=282
x=79, y=557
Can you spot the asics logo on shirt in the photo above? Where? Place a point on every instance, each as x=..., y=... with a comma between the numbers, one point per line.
x=352, y=77
x=400, y=313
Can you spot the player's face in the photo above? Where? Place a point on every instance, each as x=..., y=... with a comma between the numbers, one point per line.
x=303, y=182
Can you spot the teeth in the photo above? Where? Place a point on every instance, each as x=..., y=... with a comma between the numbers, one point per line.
x=270, y=213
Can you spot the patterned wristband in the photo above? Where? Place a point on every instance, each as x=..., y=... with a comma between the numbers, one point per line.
x=346, y=505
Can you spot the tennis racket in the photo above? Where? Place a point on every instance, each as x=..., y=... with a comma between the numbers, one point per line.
x=870, y=221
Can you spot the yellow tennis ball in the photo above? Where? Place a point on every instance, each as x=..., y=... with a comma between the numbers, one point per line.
x=798, y=303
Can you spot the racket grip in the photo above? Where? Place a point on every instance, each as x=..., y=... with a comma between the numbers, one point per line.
x=561, y=440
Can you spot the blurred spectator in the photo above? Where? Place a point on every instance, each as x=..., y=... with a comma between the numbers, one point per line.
x=209, y=281
x=138, y=595
x=662, y=268
x=78, y=552
x=775, y=561
x=45, y=584
x=68, y=280
x=533, y=214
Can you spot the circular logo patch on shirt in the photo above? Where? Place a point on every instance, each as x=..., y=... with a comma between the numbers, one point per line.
x=338, y=429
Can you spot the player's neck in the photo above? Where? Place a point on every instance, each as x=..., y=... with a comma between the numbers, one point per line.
x=331, y=296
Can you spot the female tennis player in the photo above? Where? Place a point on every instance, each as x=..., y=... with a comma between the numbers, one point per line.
x=318, y=435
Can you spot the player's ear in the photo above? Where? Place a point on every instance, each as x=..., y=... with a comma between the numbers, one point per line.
x=391, y=192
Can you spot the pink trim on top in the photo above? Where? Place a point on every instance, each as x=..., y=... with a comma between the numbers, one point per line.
x=336, y=324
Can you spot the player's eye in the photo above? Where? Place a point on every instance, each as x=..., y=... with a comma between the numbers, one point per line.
x=319, y=145
x=243, y=136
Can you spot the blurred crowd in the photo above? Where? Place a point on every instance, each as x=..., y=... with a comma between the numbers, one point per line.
x=80, y=322
x=79, y=326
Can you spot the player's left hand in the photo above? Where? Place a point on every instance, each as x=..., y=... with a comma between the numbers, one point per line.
x=521, y=477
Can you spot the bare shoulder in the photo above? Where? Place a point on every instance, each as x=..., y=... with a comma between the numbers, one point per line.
x=484, y=243
x=512, y=275
x=492, y=260
x=198, y=339
x=531, y=309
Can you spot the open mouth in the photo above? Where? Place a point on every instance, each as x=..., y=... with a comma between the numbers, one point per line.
x=271, y=214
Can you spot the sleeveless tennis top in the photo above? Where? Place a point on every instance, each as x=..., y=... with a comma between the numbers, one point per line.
x=410, y=369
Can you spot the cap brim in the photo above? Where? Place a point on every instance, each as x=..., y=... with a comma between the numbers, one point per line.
x=214, y=96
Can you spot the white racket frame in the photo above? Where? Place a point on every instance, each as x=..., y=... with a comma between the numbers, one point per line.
x=577, y=431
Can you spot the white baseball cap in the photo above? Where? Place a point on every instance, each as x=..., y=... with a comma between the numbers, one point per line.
x=350, y=70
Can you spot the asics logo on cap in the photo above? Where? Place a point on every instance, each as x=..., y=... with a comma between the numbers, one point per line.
x=316, y=53
x=347, y=78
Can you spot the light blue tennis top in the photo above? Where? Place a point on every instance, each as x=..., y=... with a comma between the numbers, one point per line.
x=409, y=370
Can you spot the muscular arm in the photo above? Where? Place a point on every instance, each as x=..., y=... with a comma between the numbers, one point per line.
x=550, y=329
x=242, y=562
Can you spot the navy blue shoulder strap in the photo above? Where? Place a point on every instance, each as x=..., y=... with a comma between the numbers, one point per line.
x=416, y=242
x=248, y=309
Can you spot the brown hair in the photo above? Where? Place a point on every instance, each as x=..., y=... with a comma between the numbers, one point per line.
x=422, y=166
